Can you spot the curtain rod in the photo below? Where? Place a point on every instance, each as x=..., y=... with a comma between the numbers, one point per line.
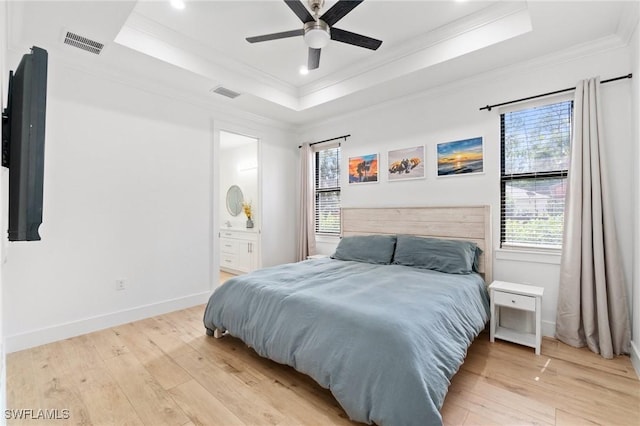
x=488, y=107
x=328, y=140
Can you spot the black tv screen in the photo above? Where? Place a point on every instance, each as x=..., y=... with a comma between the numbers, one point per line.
x=23, y=144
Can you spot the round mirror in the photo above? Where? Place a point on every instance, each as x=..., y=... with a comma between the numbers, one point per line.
x=234, y=200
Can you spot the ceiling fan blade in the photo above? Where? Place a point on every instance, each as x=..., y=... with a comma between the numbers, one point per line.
x=314, y=59
x=275, y=36
x=355, y=39
x=300, y=10
x=339, y=10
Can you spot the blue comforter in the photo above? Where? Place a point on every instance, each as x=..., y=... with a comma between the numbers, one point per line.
x=385, y=339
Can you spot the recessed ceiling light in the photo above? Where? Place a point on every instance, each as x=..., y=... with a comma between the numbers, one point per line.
x=178, y=4
x=304, y=70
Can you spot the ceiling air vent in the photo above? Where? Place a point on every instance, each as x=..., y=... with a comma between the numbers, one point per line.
x=225, y=92
x=83, y=43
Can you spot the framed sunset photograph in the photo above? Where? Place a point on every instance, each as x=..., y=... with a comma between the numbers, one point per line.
x=363, y=169
x=406, y=163
x=461, y=157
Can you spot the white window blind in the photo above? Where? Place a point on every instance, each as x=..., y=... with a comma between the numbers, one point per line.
x=327, y=184
x=535, y=146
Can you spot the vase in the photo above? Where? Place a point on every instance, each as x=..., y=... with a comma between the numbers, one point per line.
x=249, y=223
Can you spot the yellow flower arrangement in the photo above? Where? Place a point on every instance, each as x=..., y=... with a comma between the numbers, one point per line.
x=247, y=209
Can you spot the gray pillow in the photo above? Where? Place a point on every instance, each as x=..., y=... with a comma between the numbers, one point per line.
x=450, y=256
x=377, y=249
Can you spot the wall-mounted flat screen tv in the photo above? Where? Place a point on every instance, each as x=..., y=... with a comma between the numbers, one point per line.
x=23, y=133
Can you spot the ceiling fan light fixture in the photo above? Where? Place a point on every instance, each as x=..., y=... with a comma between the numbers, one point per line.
x=318, y=28
x=316, y=34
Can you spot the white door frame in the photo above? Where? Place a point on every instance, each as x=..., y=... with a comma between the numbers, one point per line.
x=214, y=244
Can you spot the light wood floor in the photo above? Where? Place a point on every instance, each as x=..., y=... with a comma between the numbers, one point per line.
x=224, y=276
x=165, y=370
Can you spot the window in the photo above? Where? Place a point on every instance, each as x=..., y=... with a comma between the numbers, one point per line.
x=327, y=170
x=535, y=145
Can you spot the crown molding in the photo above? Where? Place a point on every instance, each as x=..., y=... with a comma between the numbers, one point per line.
x=490, y=25
x=225, y=109
x=419, y=44
x=599, y=46
x=152, y=39
x=219, y=109
x=501, y=29
x=628, y=21
x=171, y=37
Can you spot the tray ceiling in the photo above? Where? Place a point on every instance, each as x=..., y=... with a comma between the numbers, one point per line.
x=425, y=43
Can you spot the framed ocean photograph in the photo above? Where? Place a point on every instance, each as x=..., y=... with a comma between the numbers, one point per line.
x=461, y=157
x=406, y=163
x=363, y=169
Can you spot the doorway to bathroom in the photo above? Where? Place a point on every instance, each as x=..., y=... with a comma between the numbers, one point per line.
x=239, y=210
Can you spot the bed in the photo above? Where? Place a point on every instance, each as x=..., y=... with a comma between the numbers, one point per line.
x=385, y=339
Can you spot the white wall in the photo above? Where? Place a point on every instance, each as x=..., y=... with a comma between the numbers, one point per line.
x=130, y=187
x=278, y=159
x=4, y=74
x=126, y=196
x=231, y=159
x=635, y=325
x=451, y=113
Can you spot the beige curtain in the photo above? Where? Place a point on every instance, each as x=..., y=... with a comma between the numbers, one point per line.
x=592, y=300
x=306, y=210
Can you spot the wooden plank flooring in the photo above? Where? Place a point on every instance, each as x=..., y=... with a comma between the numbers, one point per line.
x=224, y=276
x=166, y=371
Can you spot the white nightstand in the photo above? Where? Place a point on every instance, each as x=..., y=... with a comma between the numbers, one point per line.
x=516, y=296
x=318, y=256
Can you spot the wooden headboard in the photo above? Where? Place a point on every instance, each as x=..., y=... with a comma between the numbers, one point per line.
x=471, y=223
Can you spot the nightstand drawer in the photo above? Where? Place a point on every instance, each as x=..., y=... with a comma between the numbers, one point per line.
x=516, y=301
x=318, y=256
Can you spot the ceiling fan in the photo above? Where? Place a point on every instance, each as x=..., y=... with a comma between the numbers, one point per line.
x=318, y=30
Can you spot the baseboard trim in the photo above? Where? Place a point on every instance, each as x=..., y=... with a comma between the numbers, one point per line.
x=30, y=339
x=549, y=329
x=635, y=358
